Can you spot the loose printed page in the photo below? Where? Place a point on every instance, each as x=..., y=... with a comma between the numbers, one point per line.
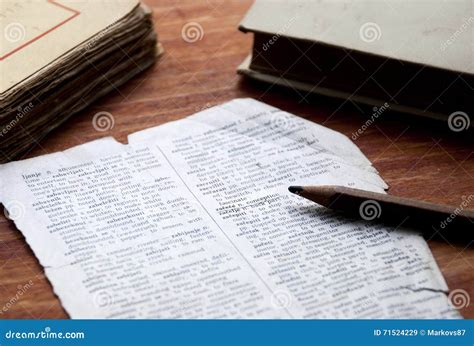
x=369, y=249
x=193, y=220
x=120, y=236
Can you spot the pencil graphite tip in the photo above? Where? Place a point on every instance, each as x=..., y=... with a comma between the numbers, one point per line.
x=295, y=189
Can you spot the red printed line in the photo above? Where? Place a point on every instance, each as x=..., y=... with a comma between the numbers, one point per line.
x=53, y=2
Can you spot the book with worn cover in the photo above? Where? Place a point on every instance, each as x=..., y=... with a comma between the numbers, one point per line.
x=417, y=56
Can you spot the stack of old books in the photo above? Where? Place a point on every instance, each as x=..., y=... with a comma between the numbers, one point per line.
x=57, y=57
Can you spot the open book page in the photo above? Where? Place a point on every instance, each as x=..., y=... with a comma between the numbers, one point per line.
x=193, y=220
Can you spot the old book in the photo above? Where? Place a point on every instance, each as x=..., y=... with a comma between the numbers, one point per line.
x=57, y=57
x=193, y=219
x=417, y=56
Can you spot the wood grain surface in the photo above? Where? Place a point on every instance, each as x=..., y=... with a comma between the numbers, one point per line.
x=418, y=159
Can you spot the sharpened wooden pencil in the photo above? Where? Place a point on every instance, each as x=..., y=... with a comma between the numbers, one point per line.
x=449, y=222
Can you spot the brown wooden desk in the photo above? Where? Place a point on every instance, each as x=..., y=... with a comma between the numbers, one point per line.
x=417, y=159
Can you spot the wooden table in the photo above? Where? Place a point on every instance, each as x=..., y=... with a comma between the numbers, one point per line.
x=418, y=159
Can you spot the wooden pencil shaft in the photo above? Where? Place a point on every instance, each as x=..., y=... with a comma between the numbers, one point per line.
x=429, y=217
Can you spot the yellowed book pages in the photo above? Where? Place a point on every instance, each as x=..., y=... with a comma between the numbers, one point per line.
x=34, y=33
